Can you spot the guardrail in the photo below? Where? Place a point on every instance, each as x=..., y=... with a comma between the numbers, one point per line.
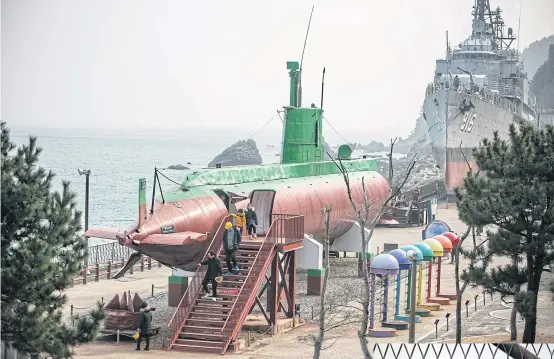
x=278, y=233
x=109, y=252
x=431, y=189
x=195, y=284
x=107, y=270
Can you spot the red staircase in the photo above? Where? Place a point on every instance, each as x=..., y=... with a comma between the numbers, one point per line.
x=207, y=326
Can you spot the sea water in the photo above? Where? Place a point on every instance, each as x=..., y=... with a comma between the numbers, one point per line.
x=118, y=161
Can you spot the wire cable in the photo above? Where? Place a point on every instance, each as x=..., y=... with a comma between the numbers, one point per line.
x=344, y=139
x=169, y=179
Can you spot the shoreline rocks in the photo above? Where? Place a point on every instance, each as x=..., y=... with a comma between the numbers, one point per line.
x=241, y=153
x=178, y=167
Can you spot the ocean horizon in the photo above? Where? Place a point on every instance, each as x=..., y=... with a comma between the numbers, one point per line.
x=117, y=162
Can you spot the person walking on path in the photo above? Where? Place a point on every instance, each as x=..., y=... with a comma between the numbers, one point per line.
x=240, y=221
x=230, y=245
x=251, y=221
x=213, y=271
x=145, y=326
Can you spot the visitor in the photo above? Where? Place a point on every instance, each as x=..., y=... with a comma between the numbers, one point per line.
x=230, y=245
x=145, y=325
x=251, y=221
x=456, y=82
x=213, y=271
x=238, y=235
x=240, y=221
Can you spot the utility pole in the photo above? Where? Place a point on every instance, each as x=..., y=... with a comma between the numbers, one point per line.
x=86, y=172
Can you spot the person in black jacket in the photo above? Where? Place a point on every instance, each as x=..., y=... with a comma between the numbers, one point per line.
x=251, y=221
x=145, y=325
x=214, y=271
x=230, y=245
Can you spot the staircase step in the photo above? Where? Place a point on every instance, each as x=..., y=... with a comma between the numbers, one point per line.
x=250, y=245
x=208, y=315
x=209, y=303
x=201, y=343
x=238, y=256
x=202, y=308
x=195, y=348
x=222, y=295
x=194, y=335
x=203, y=329
x=218, y=323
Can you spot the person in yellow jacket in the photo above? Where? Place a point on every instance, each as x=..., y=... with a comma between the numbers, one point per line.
x=240, y=221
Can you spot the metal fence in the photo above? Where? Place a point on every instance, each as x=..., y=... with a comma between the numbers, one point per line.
x=462, y=351
x=109, y=252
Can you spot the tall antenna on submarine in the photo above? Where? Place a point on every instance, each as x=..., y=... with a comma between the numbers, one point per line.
x=302, y=60
x=322, y=87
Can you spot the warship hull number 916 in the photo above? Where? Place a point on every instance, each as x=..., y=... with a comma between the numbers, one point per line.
x=467, y=123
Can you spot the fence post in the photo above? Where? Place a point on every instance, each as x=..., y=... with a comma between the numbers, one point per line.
x=72, y=317
x=85, y=272
x=97, y=272
x=149, y=263
x=152, y=290
x=142, y=263
x=109, y=270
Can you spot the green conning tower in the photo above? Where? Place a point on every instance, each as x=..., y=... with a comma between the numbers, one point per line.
x=302, y=130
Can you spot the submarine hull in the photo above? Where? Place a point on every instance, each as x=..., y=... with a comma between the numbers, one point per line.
x=175, y=234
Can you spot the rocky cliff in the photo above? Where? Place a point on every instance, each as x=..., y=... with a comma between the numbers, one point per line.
x=239, y=154
x=543, y=82
x=535, y=55
x=424, y=171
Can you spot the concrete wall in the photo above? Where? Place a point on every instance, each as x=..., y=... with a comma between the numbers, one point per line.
x=310, y=256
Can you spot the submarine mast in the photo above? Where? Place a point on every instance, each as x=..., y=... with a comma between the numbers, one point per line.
x=302, y=127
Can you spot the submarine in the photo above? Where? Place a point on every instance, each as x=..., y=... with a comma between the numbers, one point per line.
x=177, y=229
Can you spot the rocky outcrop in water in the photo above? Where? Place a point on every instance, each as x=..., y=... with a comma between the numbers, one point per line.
x=328, y=150
x=179, y=167
x=239, y=154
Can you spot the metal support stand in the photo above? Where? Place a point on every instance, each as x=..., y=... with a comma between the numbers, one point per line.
x=413, y=280
x=281, y=295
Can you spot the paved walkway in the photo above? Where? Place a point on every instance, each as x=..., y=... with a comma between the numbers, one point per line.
x=493, y=320
x=84, y=297
x=291, y=344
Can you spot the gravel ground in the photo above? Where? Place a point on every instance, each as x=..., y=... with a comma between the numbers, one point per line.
x=343, y=287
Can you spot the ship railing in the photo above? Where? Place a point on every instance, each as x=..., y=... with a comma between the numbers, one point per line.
x=278, y=232
x=194, y=286
x=492, y=96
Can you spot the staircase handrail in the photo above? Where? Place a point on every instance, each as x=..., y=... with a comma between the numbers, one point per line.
x=229, y=332
x=296, y=230
x=270, y=241
x=182, y=311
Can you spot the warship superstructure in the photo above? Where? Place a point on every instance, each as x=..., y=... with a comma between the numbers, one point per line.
x=480, y=87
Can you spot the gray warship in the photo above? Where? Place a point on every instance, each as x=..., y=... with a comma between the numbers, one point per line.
x=480, y=87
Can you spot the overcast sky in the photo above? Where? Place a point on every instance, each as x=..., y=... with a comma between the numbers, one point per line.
x=178, y=64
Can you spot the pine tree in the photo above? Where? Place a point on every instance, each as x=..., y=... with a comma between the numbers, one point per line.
x=42, y=251
x=515, y=192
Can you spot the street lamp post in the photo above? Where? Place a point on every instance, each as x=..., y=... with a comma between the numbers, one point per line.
x=86, y=172
x=413, y=258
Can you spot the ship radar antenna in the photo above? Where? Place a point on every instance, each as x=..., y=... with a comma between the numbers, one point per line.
x=518, y=26
x=302, y=60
